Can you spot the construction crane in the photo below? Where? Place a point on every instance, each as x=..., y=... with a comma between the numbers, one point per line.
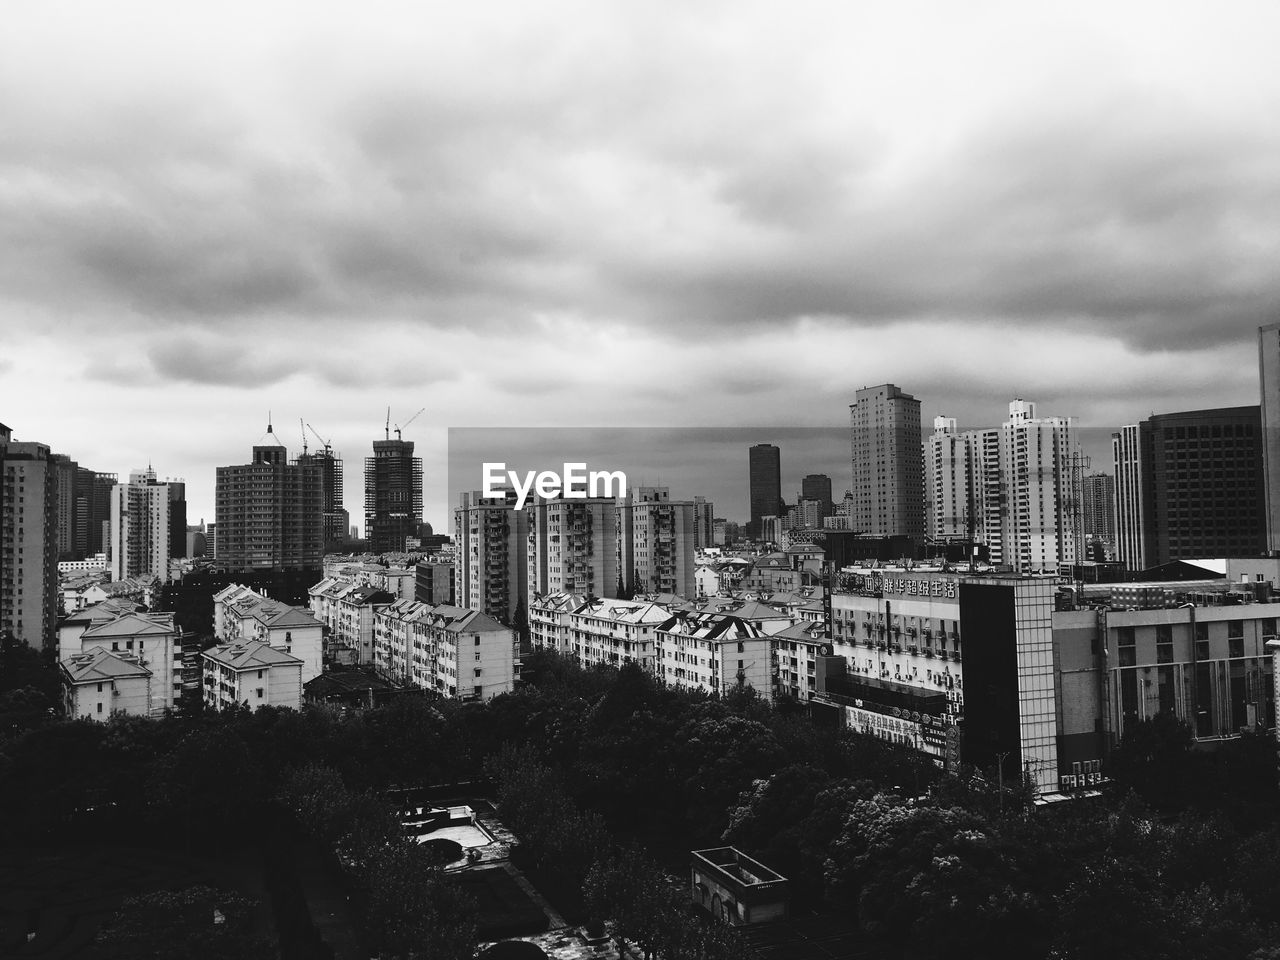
x=407, y=422
x=328, y=446
x=386, y=432
x=302, y=427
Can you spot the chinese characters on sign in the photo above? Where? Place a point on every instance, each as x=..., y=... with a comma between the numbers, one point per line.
x=875, y=584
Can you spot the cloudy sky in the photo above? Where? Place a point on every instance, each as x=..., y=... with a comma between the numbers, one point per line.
x=518, y=214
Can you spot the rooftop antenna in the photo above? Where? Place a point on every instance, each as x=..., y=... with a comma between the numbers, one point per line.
x=268, y=421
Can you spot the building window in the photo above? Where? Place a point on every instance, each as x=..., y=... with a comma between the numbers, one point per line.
x=477, y=671
x=260, y=693
x=1128, y=651
x=99, y=708
x=99, y=688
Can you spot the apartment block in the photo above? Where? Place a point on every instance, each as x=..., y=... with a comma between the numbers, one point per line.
x=28, y=542
x=251, y=674
x=887, y=464
x=713, y=652
x=491, y=566
x=451, y=651
x=99, y=685
x=270, y=512
x=549, y=621
x=657, y=542
x=148, y=526
x=573, y=547
x=241, y=615
x=612, y=632
x=346, y=611
x=150, y=639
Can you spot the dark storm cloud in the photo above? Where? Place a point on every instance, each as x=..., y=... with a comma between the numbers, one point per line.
x=219, y=362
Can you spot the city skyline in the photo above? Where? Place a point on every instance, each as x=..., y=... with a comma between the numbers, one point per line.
x=355, y=217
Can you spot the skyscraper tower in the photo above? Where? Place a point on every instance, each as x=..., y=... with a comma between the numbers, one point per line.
x=336, y=518
x=392, y=494
x=148, y=525
x=269, y=514
x=765, y=464
x=28, y=542
x=888, y=463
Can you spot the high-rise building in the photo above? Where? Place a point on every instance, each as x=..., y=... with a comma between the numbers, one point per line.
x=888, y=463
x=953, y=483
x=573, y=547
x=270, y=512
x=765, y=466
x=336, y=518
x=1098, y=503
x=28, y=542
x=1191, y=486
x=704, y=523
x=817, y=486
x=392, y=495
x=1127, y=463
x=491, y=539
x=1269, y=382
x=1040, y=474
x=148, y=526
x=656, y=542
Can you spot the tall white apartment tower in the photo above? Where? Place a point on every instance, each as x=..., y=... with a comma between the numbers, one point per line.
x=491, y=540
x=147, y=517
x=949, y=481
x=1127, y=460
x=1039, y=476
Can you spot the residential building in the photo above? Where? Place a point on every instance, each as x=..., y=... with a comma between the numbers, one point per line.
x=765, y=477
x=451, y=651
x=796, y=651
x=270, y=512
x=573, y=547
x=347, y=612
x=549, y=621
x=491, y=571
x=612, y=632
x=151, y=638
x=656, y=542
x=704, y=523
x=28, y=542
x=252, y=674
x=148, y=525
x=953, y=482
x=392, y=494
x=1040, y=476
x=99, y=685
x=1099, y=507
x=713, y=652
x=887, y=461
x=241, y=615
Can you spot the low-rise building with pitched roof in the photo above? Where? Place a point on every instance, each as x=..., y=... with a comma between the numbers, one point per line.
x=98, y=684
x=251, y=673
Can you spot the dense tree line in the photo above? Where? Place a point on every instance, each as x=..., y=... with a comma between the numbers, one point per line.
x=611, y=778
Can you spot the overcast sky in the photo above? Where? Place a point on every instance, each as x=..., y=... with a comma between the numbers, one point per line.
x=588, y=213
